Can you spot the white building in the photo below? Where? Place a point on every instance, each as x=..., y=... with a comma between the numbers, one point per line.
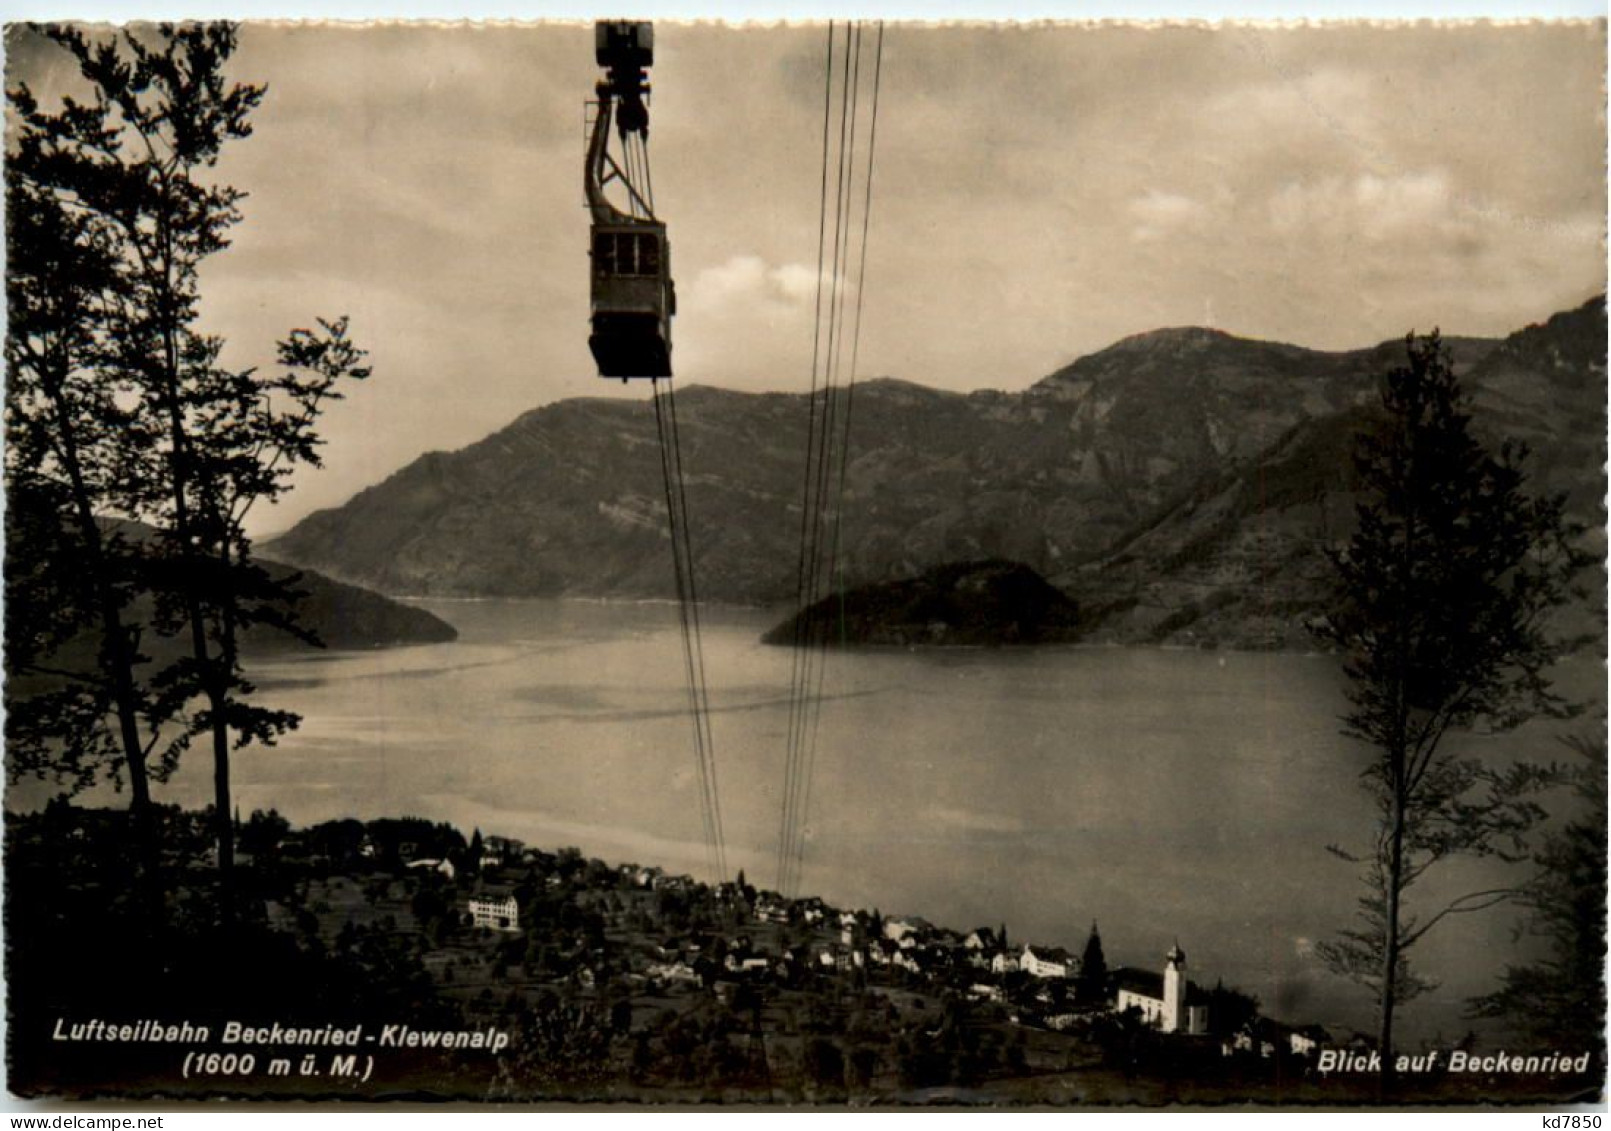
x=1170, y=1002
x=899, y=930
x=496, y=914
x=505, y=848
x=672, y=972
x=1004, y=963
x=1307, y=1040
x=1047, y=962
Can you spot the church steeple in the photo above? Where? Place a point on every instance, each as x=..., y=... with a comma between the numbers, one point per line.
x=1174, y=990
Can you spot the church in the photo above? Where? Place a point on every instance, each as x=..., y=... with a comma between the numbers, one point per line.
x=1168, y=1001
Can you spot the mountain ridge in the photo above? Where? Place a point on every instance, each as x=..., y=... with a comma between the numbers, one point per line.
x=1145, y=444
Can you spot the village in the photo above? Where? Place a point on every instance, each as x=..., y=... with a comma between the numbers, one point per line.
x=495, y=913
x=631, y=981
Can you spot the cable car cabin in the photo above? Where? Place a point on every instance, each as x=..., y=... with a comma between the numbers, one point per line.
x=633, y=299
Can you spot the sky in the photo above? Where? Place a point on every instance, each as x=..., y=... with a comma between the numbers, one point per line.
x=1040, y=191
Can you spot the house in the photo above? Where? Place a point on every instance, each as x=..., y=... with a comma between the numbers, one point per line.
x=899, y=930
x=1168, y=1001
x=1307, y=1039
x=497, y=851
x=837, y=958
x=983, y=939
x=498, y=914
x=1047, y=962
x=770, y=908
x=1262, y=1037
x=673, y=972
x=442, y=867
x=812, y=910
x=1004, y=963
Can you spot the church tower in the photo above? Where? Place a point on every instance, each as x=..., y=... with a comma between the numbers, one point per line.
x=1174, y=991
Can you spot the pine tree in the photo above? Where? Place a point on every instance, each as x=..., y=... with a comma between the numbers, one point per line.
x=1092, y=986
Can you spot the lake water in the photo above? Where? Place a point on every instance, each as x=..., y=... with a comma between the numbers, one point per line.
x=1166, y=795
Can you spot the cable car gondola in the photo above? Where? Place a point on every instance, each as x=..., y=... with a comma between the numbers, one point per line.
x=632, y=294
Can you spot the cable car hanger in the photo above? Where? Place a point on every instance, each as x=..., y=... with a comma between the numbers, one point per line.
x=633, y=298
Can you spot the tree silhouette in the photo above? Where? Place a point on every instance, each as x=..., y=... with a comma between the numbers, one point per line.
x=1091, y=987
x=1230, y=1009
x=1440, y=611
x=69, y=443
x=163, y=433
x=1559, y=1001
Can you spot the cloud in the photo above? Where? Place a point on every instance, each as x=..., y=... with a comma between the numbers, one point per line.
x=968, y=821
x=747, y=322
x=796, y=281
x=747, y=282
x=1325, y=111
x=1366, y=206
x=1158, y=214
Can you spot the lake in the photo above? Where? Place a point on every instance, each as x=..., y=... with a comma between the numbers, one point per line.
x=1165, y=795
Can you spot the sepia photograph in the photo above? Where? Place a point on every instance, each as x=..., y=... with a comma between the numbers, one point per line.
x=1080, y=584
